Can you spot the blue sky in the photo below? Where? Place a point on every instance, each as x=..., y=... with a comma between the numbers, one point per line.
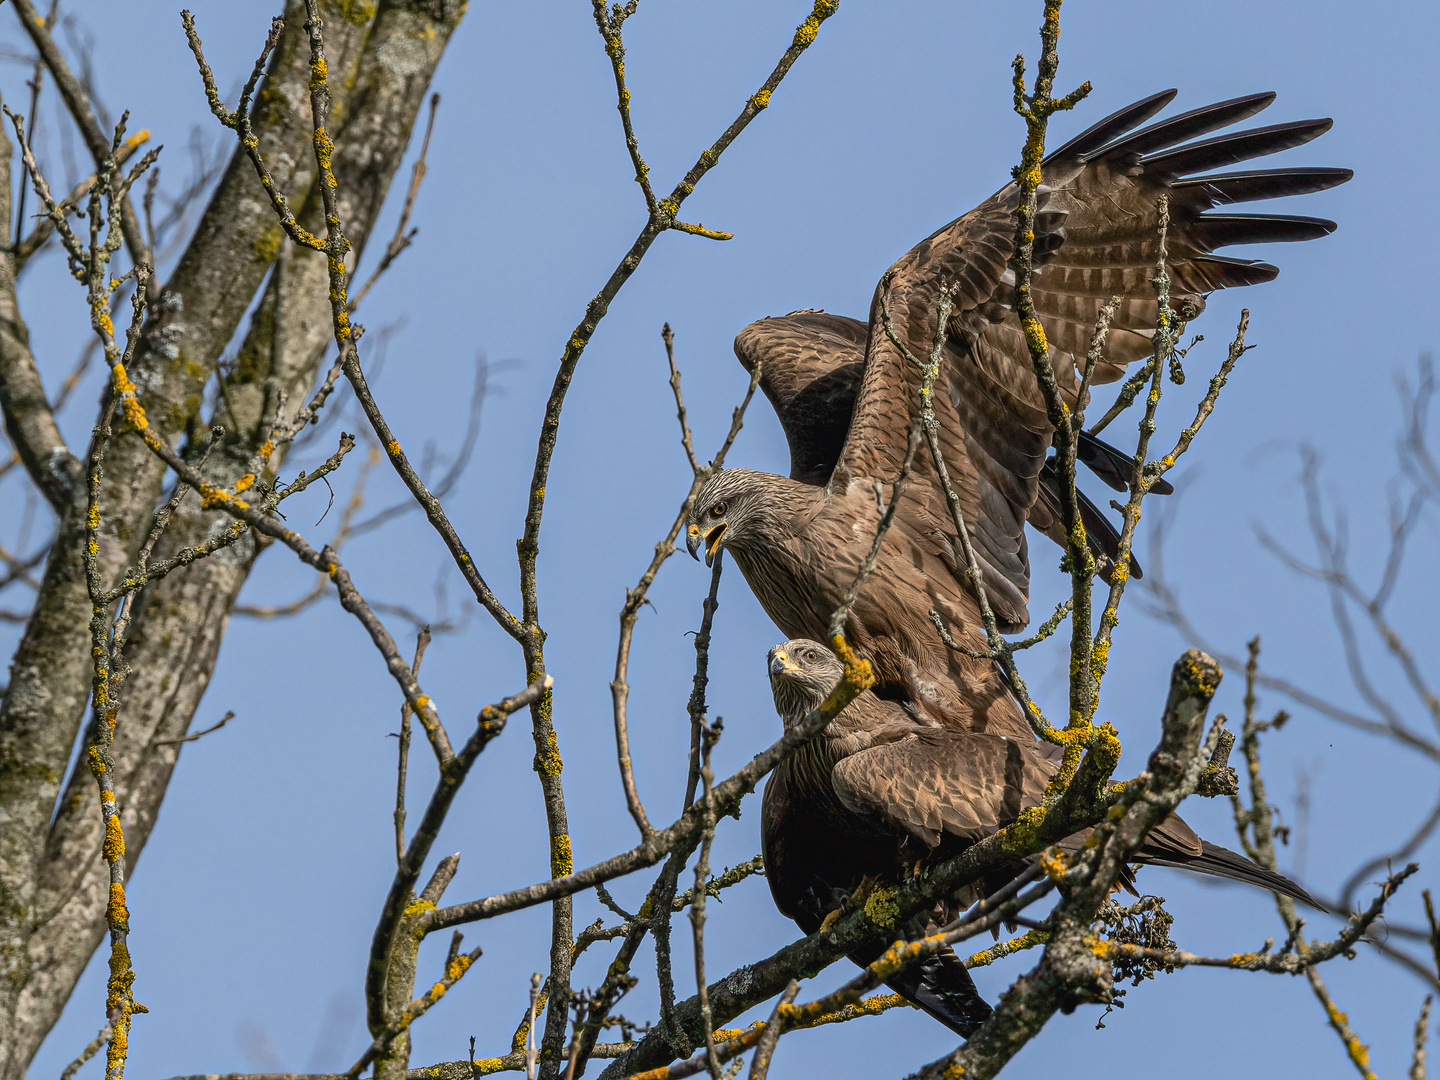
x=253, y=906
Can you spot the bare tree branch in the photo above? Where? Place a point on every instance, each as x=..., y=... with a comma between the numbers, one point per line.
x=78, y=102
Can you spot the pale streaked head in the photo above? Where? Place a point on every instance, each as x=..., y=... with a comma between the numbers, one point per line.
x=802, y=674
x=741, y=506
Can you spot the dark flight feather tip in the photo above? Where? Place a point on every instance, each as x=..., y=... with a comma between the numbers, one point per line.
x=1222, y=230
x=1187, y=125
x=1112, y=465
x=1206, y=273
x=1101, y=536
x=943, y=987
x=1257, y=184
x=1112, y=127
x=1228, y=149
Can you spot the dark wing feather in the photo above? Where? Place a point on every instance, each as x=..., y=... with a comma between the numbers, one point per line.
x=1225, y=150
x=1101, y=536
x=1219, y=230
x=810, y=367
x=1112, y=465
x=992, y=426
x=810, y=866
x=1114, y=125
x=941, y=984
x=935, y=783
x=1097, y=237
x=938, y=783
x=1220, y=190
x=1177, y=129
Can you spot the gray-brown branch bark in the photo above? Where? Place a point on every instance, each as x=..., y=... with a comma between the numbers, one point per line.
x=180, y=620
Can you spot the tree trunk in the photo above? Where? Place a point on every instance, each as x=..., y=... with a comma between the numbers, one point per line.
x=52, y=879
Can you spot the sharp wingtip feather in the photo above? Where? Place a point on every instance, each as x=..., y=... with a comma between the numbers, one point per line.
x=1112, y=126
x=1187, y=125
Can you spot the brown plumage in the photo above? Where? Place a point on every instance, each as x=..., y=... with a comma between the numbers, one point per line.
x=846, y=396
x=876, y=792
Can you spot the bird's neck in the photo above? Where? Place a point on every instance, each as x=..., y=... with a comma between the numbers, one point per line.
x=769, y=561
x=844, y=736
x=787, y=507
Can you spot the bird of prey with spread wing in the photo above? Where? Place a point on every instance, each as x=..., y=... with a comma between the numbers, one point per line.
x=877, y=791
x=847, y=396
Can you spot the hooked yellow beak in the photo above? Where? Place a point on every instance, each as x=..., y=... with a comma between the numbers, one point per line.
x=694, y=539
x=779, y=662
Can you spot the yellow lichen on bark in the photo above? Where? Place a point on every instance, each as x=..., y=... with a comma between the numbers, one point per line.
x=562, y=861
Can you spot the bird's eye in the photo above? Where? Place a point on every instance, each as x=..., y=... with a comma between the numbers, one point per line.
x=718, y=510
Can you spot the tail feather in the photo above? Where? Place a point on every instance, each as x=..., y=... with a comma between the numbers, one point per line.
x=1222, y=862
x=942, y=986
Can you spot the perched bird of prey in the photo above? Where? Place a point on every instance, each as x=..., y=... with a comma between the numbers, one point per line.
x=877, y=791
x=847, y=396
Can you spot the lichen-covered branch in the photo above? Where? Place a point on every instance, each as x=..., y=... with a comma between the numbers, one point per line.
x=1070, y=970
x=662, y=217
x=51, y=885
x=1036, y=110
x=29, y=421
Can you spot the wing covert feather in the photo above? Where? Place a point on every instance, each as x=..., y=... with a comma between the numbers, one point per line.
x=810, y=366
x=937, y=782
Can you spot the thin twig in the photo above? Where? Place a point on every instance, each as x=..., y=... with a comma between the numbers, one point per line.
x=1256, y=829
x=229, y=715
x=95, y=1045
x=37, y=80
x=668, y=336
x=422, y=642
x=765, y=1048
x=77, y=101
x=1422, y=1035
x=697, y=906
x=1036, y=110
x=404, y=236
x=532, y=1053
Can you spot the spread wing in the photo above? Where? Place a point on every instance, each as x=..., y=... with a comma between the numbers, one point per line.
x=936, y=782
x=811, y=365
x=1096, y=236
